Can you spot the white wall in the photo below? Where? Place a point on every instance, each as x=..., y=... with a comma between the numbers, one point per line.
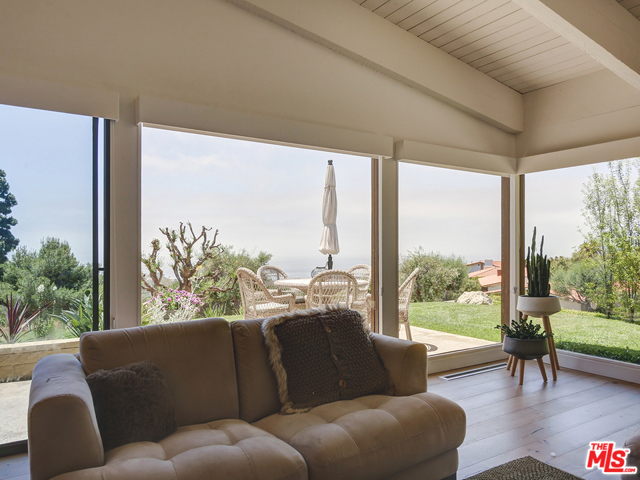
x=213, y=53
x=591, y=119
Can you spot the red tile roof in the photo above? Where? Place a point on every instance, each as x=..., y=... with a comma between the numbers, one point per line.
x=485, y=272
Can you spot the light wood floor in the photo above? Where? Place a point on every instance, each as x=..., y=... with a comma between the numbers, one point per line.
x=552, y=422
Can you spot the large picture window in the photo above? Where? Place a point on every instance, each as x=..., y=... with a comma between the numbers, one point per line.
x=258, y=204
x=449, y=234
x=590, y=219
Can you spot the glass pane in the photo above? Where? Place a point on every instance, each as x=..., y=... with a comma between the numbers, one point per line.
x=46, y=158
x=265, y=203
x=449, y=230
x=590, y=219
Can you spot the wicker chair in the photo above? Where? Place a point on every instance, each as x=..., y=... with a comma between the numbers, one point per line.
x=361, y=272
x=257, y=300
x=269, y=274
x=405, y=292
x=332, y=287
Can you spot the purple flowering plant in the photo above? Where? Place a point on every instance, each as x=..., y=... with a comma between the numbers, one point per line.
x=173, y=306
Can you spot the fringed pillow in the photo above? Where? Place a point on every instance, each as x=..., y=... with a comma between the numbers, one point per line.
x=321, y=356
x=132, y=404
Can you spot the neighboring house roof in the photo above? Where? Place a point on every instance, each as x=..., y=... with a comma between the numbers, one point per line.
x=491, y=280
x=485, y=272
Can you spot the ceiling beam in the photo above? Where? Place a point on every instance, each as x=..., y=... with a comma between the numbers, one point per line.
x=603, y=29
x=356, y=33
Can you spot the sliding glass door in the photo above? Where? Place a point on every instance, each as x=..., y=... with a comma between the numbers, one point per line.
x=54, y=231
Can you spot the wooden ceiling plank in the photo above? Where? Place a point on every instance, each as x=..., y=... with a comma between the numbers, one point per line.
x=400, y=9
x=429, y=32
x=425, y=20
x=554, y=81
x=603, y=29
x=492, y=38
x=373, y=4
x=519, y=42
x=563, y=71
x=635, y=11
x=428, y=9
x=518, y=55
x=547, y=62
x=506, y=15
x=629, y=3
x=538, y=60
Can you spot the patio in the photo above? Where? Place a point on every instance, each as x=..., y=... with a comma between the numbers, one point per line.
x=441, y=342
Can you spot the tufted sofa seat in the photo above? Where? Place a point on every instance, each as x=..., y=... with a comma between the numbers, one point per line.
x=226, y=403
x=336, y=439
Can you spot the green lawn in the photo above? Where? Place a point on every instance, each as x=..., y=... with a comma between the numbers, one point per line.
x=583, y=332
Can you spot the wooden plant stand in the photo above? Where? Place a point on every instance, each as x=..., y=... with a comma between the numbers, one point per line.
x=513, y=363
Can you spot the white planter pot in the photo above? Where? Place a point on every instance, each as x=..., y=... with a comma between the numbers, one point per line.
x=538, y=306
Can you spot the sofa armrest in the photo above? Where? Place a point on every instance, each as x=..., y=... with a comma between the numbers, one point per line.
x=63, y=432
x=406, y=362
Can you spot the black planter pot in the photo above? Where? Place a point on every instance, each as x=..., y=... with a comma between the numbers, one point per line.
x=526, y=349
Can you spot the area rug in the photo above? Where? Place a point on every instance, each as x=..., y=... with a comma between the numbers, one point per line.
x=526, y=468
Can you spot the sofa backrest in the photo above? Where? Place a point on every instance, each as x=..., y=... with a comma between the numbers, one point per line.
x=257, y=387
x=196, y=358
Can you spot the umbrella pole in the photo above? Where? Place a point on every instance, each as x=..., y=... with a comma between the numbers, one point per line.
x=330, y=262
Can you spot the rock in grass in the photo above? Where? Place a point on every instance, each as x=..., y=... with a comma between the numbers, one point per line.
x=475, y=298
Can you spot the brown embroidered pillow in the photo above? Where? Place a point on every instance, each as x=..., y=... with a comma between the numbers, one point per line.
x=132, y=404
x=321, y=356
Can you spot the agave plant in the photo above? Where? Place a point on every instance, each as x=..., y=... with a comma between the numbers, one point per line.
x=79, y=318
x=17, y=319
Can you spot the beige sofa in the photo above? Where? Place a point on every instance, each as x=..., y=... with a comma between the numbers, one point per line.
x=226, y=407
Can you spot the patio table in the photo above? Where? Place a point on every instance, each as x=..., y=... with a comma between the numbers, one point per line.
x=302, y=284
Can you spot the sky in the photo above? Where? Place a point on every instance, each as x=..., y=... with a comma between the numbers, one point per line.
x=450, y=212
x=264, y=197
x=553, y=204
x=47, y=160
x=260, y=197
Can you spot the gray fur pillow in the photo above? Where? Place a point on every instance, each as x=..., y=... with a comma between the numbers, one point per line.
x=321, y=356
x=132, y=404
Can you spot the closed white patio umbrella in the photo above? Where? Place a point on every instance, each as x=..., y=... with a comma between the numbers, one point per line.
x=329, y=240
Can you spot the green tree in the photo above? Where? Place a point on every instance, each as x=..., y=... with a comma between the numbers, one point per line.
x=441, y=277
x=612, y=214
x=577, y=278
x=52, y=274
x=7, y=201
x=226, y=264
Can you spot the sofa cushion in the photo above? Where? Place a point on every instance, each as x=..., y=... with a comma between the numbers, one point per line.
x=132, y=404
x=196, y=359
x=370, y=437
x=257, y=387
x=221, y=449
x=322, y=355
